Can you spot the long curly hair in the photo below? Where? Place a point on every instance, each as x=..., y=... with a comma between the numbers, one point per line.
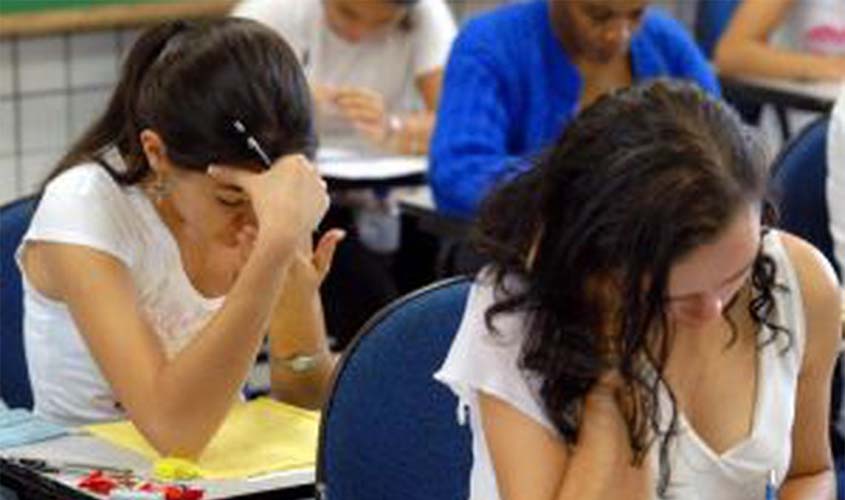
x=635, y=183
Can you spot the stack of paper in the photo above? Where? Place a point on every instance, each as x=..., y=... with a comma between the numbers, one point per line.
x=257, y=438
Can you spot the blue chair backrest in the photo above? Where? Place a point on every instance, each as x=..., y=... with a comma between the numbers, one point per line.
x=799, y=176
x=389, y=430
x=14, y=378
x=711, y=19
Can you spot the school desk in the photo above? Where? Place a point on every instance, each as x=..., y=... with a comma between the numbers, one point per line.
x=419, y=203
x=795, y=94
x=345, y=170
x=88, y=449
x=452, y=232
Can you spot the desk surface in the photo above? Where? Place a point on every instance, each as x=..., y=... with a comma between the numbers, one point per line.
x=809, y=96
x=345, y=169
x=88, y=449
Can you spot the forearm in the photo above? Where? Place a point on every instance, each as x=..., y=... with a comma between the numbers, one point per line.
x=600, y=465
x=763, y=60
x=298, y=328
x=599, y=472
x=820, y=486
x=196, y=389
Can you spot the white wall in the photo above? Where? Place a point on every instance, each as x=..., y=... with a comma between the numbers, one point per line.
x=51, y=87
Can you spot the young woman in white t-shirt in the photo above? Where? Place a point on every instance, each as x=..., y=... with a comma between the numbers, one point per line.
x=640, y=332
x=802, y=39
x=368, y=63
x=165, y=246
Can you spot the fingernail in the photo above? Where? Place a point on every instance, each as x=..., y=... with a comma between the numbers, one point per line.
x=212, y=169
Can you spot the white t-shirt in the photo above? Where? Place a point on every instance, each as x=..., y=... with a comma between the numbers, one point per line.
x=85, y=206
x=478, y=361
x=814, y=26
x=388, y=63
x=836, y=179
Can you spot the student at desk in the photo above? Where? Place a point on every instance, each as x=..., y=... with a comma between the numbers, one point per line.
x=175, y=234
x=368, y=62
x=375, y=69
x=518, y=75
x=796, y=39
x=641, y=333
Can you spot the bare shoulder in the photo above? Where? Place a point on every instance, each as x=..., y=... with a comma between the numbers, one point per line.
x=815, y=273
x=820, y=294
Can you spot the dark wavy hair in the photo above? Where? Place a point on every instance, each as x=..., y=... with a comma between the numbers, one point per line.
x=635, y=183
x=189, y=81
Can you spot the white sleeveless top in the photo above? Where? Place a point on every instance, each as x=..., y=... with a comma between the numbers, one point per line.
x=813, y=26
x=479, y=362
x=85, y=206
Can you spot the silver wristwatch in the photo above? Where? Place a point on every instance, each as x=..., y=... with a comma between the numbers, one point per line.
x=298, y=363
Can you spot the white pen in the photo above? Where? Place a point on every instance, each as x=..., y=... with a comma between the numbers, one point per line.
x=252, y=143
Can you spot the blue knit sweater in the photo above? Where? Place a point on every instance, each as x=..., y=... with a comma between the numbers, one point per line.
x=510, y=89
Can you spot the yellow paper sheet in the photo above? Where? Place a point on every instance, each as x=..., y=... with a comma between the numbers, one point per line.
x=256, y=438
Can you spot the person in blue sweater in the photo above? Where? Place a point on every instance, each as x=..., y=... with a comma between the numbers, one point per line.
x=518, y=75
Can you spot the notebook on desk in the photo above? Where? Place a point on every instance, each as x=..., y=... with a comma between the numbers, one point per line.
x=259, y=437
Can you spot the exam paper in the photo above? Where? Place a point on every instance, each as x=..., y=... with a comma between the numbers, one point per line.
x=258, y=437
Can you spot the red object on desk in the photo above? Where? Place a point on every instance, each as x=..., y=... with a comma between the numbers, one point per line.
x=182, y=493
x=98, y=483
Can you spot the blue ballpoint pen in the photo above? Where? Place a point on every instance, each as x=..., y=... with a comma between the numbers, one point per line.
x=771, y=486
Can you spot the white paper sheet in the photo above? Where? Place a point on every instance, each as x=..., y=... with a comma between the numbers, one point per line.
x=346, y=165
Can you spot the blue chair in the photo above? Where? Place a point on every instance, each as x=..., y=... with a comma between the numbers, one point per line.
x=799, y=176
x=840, y=478
x=711, y=19
x=14, y=377
x=389, y=430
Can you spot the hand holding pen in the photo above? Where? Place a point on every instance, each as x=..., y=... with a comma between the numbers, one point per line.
x=289, y=198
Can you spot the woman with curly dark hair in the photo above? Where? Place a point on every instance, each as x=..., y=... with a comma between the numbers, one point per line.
x=641, y=331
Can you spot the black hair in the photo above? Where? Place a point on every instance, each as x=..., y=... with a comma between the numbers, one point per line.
x=189, y=82
x=636, y=182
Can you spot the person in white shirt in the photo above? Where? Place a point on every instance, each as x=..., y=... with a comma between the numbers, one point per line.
x=376, y=70
x=369, y=64
x=175, y=234
x=836, y=180
x=640, y=332
x=800, y=39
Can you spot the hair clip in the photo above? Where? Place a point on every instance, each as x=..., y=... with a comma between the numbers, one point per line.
x=252, y=143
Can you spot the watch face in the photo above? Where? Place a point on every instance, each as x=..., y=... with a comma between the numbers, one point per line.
x=302, y=363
